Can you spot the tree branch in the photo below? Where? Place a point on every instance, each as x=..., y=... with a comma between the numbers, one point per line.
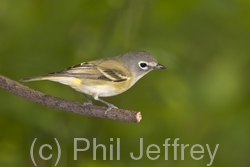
x=66, y=105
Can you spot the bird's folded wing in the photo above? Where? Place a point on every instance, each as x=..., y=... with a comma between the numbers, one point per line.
x=102, y=71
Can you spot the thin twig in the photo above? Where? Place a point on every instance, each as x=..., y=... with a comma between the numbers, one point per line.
x=66, y=105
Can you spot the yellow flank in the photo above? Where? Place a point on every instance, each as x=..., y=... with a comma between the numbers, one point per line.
x=76, y=82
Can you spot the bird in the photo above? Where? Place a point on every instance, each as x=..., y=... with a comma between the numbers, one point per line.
x=104, y=77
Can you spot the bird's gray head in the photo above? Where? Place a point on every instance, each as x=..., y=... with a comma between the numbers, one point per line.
x=140, y=63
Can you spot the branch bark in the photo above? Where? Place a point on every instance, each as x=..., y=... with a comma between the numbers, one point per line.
x=66, y=105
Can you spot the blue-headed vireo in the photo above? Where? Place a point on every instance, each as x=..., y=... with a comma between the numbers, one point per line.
x=105, y=77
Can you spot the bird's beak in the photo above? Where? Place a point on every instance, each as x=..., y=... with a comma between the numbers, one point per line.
x=159, y=66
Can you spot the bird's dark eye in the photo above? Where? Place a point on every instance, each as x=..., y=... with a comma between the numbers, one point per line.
x=143, y=65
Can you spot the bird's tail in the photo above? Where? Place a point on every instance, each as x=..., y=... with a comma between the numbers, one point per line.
x=63, y=79
x=36, y=78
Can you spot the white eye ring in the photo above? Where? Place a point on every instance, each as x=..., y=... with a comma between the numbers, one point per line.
x=143, y=65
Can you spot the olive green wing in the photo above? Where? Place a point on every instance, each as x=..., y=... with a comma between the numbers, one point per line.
x=108, y=70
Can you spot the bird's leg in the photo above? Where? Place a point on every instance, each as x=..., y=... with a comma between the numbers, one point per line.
x=89, y=102
x=110, y=106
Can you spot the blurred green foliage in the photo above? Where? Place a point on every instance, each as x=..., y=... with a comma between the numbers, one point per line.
x=202, y=97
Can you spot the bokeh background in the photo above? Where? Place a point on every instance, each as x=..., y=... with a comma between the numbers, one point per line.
x=201, y=98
